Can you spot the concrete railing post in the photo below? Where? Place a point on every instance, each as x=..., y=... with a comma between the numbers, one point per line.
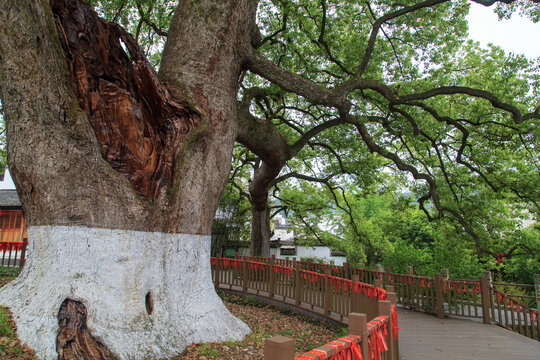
x=485, y=296
x=272, y=284
x=489, y=278
x=355, y=298
x=409, y=270
x=279, y=348
x=346, y=271
x=327, y=292
x=385, y=309
x=388, y=276
x=244, y=276
x=439, y=284
x=445, y=274
x=537, y=290
x=358, y=327
x=298, y=285
x=392, y=297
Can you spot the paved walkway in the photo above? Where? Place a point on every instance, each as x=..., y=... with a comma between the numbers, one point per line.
x=430, y=338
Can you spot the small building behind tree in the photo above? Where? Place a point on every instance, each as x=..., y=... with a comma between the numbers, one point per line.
x=12, y=220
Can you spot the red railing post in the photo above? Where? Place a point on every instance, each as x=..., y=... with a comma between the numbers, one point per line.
x=439, y=284
x=485, y=297
x=279, y=348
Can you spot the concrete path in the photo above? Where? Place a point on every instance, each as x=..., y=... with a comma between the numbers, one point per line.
x=430, y=338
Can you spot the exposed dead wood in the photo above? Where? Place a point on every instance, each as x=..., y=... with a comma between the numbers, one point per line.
x=134, y=118
x=74, y=341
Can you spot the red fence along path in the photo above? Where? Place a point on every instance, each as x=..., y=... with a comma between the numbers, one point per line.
x=432, y=295
x=13, y=253
x=320, y=290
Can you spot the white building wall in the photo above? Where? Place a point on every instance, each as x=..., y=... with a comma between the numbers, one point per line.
x=321, y=252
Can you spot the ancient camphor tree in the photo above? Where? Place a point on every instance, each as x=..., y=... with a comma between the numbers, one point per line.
x=449, y=138
x=120, y=169
x=120, y=173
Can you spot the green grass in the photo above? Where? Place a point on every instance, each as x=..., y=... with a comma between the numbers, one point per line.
x=5, y=325
x=206, y=350
x=286, y=332
x=9, y=271
x=7, y=335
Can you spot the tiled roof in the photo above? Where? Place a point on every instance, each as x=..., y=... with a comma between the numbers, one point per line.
x=9, y=198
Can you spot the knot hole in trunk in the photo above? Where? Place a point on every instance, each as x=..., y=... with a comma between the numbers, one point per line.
x=149, y=302
x=74, y=341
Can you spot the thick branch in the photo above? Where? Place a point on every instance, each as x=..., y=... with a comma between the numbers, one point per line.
x=453, y=90
x=147, y=21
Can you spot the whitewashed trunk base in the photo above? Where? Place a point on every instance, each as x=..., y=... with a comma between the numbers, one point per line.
x=111, y=272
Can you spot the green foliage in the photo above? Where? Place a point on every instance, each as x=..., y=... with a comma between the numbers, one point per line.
x=482, y=162
x=521, y=269
x=314, y=259
x=147, y=20
x=525, y=295
x=401, y=255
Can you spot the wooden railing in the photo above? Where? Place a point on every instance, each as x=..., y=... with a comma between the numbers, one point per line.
x=13, y=253
x=318, y=292
x=432, y=295
x=376, y=339
x=511, y=314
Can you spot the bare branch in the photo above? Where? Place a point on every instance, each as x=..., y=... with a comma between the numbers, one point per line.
x=452, y=90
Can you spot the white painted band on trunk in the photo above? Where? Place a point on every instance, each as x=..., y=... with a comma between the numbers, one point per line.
x=110, y=272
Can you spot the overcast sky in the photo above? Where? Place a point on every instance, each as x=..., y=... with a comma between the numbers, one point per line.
x=518, y=35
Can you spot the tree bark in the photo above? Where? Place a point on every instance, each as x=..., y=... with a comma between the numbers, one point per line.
x=120, y=173
x=260, y=223
x=260, y=231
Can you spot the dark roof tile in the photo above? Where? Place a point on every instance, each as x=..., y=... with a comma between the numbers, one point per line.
x=9, y=198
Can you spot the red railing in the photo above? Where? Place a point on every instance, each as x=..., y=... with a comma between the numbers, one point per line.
x=318, y=290
x=13, y=253
x=433, y=295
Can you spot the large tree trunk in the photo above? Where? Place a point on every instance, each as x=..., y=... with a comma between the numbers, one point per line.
x=260, y=231
x=119, y=175
x=260, y=213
